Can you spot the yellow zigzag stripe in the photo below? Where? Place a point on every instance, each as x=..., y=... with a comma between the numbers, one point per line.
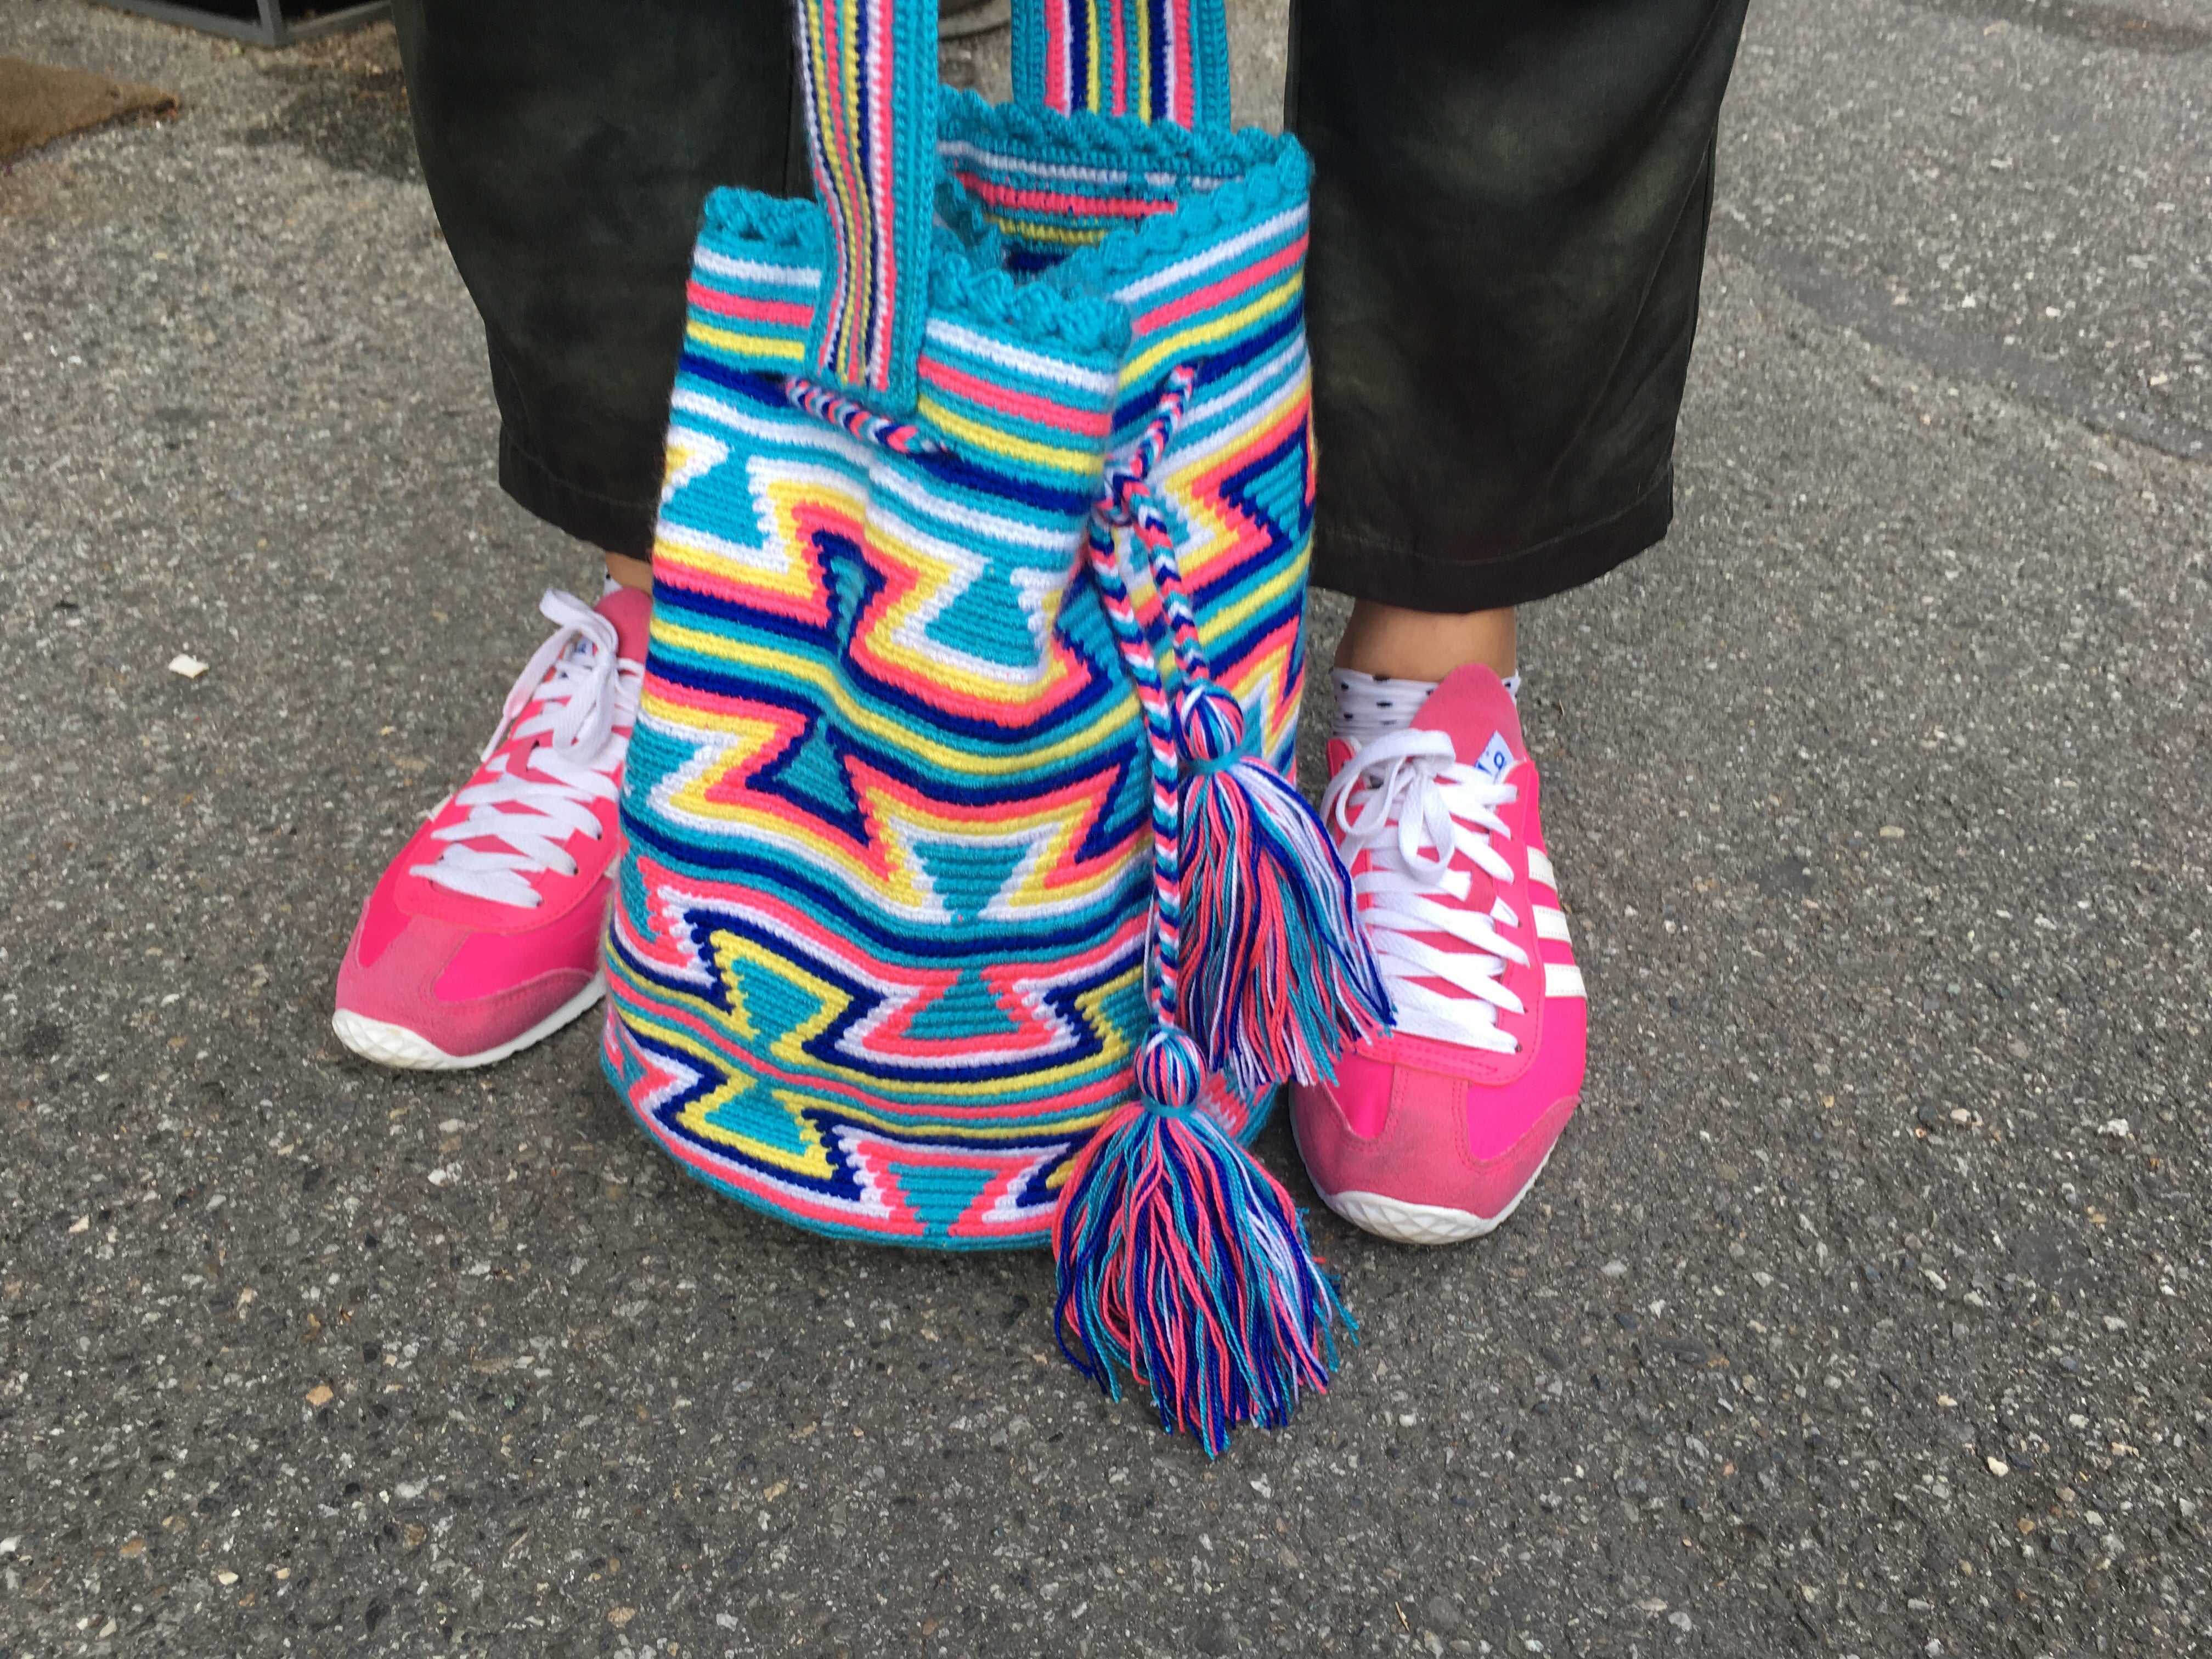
x=698, y=1116
x=895, y=735
x=771, y=565
x=898, y=829
x=1115, y=1048
x=1035, y=230
x=749, y=345
x=1138, y=371
x=997, y=441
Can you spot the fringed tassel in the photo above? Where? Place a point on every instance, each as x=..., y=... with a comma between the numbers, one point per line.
x=1277, y=972
x=1183, y=1262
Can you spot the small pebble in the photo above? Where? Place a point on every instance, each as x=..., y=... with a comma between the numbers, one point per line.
x=1614, y=1269
x=1998, y=1466
x=190, y=667
x=320, y=1394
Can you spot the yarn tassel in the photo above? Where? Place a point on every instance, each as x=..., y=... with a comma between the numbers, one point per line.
x=1183, y=1262
x=1277, y=972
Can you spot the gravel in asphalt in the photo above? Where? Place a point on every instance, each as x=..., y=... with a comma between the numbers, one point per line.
x=1863, y=1309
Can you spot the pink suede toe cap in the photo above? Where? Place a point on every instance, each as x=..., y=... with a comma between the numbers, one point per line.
x=1405, y=1133
x=463, y=991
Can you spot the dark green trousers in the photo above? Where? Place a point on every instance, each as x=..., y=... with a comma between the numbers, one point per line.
x=1510, y=215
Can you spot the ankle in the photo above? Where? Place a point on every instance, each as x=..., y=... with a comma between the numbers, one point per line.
x=626, y=572
x=1391, y=642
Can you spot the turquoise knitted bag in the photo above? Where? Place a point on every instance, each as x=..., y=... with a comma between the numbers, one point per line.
x=966, y=901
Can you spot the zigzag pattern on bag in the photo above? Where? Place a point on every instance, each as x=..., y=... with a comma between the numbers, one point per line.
x=877, y=964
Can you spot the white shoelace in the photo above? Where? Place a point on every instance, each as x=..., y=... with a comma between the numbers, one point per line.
x=1406, y=800
x=574, y=692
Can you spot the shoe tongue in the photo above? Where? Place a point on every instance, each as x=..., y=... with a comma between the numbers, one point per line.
x=631, y=612
x=1471, y=706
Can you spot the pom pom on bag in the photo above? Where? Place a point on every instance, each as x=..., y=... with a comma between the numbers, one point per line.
x=981, y=556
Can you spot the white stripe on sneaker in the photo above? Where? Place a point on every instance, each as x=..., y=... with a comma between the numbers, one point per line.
x=1564, y=979
x=1539, y=869
x=1551, y=924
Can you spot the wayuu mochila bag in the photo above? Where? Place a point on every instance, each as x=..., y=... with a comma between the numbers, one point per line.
x=966, y=902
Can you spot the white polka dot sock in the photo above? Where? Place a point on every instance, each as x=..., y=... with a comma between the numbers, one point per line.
x=1368, y=708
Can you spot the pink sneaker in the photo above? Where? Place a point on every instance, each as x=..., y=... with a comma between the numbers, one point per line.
x=1433, y=1131
x=483, y=935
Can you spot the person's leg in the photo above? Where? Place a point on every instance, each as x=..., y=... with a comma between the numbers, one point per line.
x=1510, y=207
x=1391, y=642
x=568, y=145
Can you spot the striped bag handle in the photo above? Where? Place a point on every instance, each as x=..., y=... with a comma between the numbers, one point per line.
x=868, y=72
x=1158, y=60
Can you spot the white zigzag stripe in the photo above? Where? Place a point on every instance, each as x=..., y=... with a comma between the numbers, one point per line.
x=898, y=996
x=1284, y=226
x=833, y=443
x=1037, y=589
x=756, y=271
x=1056, y=369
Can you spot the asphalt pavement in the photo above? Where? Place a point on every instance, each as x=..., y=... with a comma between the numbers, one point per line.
x=1862, y=1311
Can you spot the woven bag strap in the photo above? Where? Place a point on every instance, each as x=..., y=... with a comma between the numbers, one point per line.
x=1158, y=60
x=868, y=70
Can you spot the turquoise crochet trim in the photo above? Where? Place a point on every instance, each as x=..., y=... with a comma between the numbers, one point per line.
x=964, y=280
x=774, y=221
x=1220, y=182
x=1203, y=217
x=1104, y=141
x=1075, y=319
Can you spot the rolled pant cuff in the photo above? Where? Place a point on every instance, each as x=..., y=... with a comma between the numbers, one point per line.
x=1362, y=565
x=614, y=525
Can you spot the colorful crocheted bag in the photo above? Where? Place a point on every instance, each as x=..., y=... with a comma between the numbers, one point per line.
x=966, y=903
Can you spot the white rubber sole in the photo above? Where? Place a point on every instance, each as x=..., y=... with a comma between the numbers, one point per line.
x=1403, y=1223
x=395, y=1045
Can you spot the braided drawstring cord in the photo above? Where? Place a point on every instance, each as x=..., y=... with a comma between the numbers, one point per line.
x=1181, y=1260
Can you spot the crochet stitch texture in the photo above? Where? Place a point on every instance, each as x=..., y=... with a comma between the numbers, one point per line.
x=878, y=960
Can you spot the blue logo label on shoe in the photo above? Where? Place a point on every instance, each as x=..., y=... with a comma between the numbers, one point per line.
x=1496, y=758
